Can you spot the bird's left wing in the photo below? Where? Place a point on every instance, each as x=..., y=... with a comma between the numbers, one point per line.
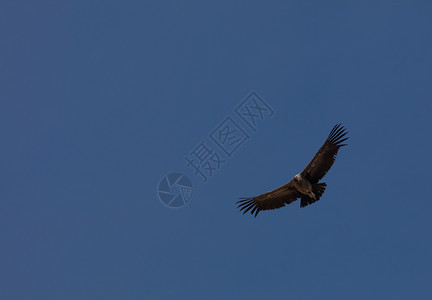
x=326, y=155
x=277, y=198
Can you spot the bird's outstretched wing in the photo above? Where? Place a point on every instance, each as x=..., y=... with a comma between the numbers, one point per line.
x=326, y=155
x=271, y=200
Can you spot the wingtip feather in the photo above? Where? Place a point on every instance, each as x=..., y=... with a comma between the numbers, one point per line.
x=336, y=135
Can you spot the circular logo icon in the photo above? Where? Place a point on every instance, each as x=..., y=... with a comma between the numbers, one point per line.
x=175, y=190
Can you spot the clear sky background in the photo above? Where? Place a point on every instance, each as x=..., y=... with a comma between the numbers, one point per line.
x=101, y=99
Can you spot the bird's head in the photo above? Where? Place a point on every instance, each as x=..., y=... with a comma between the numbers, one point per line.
x=297, y=178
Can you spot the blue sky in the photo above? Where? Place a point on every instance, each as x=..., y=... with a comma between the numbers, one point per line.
x=102, y=99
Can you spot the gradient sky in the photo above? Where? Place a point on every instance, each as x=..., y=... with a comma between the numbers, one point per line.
x=101, y=99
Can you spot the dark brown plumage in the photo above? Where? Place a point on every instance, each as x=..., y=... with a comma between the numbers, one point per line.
x=304, y=185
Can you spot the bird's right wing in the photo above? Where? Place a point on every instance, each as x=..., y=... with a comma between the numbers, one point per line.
x=277, y=198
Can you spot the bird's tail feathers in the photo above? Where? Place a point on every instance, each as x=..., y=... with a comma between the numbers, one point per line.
x=318, y=189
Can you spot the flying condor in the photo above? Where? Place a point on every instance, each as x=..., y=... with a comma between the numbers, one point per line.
x=303, y=185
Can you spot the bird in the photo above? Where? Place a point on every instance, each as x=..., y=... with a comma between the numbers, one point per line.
x=304, y=185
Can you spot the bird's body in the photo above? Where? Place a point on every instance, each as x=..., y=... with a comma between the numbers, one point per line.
x=303, y=185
